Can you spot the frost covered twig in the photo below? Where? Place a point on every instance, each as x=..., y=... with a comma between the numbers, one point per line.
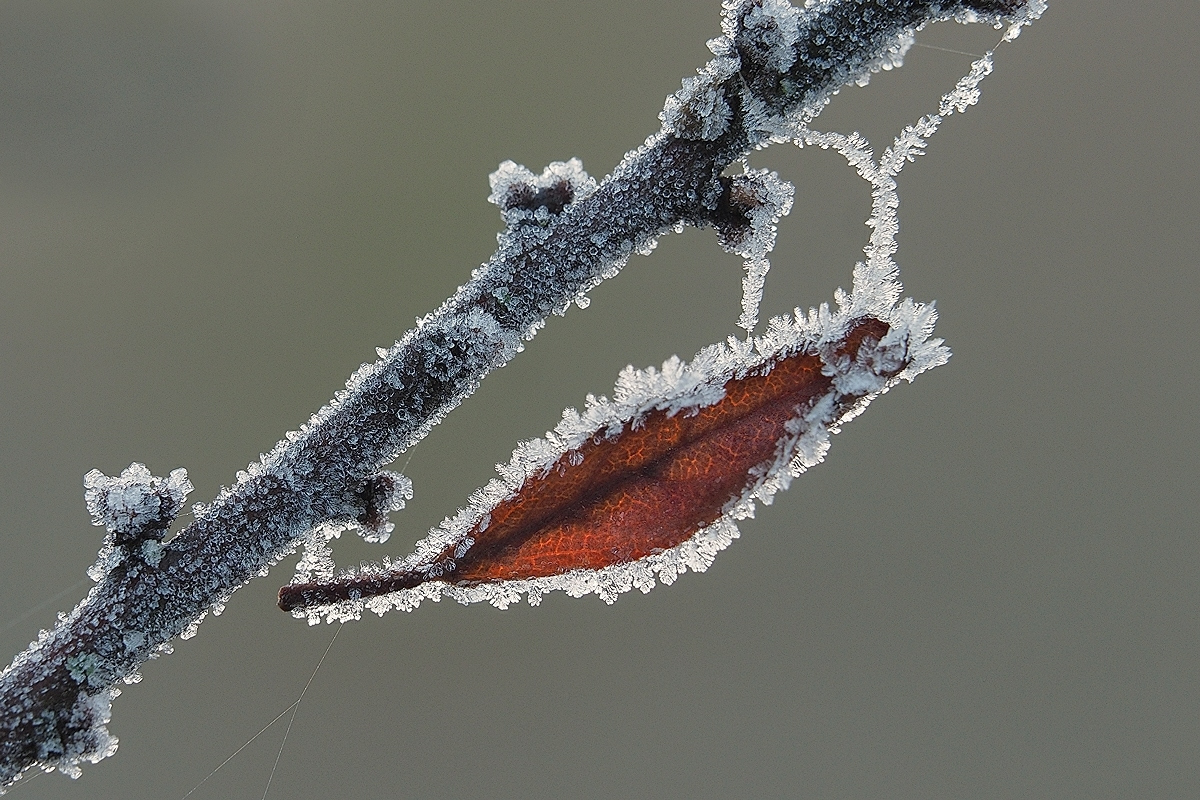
x=775, y=68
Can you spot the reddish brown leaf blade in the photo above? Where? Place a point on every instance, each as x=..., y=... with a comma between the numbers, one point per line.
x=620, y=498
x=648, y=489
x=652, y=486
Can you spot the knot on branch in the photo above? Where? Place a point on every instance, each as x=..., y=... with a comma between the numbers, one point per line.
x=700, y=110
x=527, y=198
x=762, y=36
x=137, y=506
x=763, y=33
x=379, y=495
x=748, y=212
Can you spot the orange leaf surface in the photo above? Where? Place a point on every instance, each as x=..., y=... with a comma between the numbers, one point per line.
x=619, y=498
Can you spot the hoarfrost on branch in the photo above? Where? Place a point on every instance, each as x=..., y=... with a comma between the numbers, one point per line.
x=774, y=69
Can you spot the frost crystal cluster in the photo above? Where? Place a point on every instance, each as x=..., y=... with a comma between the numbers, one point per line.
x=135, y=506
x=756, y=201
x=775, y=66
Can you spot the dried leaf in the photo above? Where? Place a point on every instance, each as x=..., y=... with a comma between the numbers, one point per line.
x=646, y=487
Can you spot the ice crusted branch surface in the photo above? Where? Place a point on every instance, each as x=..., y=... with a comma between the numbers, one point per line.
x=775, y=67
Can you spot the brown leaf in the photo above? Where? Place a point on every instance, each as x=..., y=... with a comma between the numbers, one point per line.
x=644, y=490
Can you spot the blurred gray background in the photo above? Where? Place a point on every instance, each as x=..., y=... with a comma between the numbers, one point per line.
x=212, y=212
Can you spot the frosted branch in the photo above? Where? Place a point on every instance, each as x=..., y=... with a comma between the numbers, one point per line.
x=775, y=68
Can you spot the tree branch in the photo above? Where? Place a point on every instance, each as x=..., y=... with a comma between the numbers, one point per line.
x=775, y=68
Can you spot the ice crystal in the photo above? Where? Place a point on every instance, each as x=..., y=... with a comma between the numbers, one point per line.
x=381, y=493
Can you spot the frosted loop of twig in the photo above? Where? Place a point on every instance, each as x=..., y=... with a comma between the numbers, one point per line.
x=876, y=284
x=1024, y=16
x=379, y=495
x=765, y=42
